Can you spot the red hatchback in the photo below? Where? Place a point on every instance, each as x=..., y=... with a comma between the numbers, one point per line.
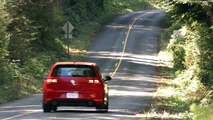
x=75, y=84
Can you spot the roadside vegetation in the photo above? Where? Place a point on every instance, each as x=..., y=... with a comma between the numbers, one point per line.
x=32, y=39
x=186, y=87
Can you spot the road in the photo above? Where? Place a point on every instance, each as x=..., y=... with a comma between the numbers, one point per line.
x=126, y=48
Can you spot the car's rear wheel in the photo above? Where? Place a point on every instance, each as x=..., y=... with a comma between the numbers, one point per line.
x=103, y=107
x=46, y=108
x=49, y=108
x=54, y=108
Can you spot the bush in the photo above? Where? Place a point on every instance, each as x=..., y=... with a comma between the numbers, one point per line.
x=202, y=112
x=192, y=53
x=176, y=46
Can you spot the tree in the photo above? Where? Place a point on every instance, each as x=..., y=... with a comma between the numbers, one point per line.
x=21, y=30
x=34, y=27
x=6, y=71
x=4, y=36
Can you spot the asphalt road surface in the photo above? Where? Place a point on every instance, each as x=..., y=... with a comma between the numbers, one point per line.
x=126, y=49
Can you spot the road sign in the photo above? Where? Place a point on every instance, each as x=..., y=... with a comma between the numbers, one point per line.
x=68, y=27
x=68, y=36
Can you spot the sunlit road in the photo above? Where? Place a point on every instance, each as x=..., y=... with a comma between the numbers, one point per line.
x=126, y=49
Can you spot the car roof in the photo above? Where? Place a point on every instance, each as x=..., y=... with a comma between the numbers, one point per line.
x=75, y=63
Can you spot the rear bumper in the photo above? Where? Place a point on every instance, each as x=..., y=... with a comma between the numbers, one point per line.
x=86, y=103
x=87, y=98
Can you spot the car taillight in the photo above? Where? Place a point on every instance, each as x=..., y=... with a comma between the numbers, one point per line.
x=51, y=80
x=94, y=81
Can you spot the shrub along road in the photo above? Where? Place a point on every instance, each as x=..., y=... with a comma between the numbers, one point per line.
x=126, y=49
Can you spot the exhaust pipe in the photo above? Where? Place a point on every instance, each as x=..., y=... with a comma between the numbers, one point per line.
x=90, y=103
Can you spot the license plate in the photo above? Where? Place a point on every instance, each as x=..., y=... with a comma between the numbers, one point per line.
x=72, y=95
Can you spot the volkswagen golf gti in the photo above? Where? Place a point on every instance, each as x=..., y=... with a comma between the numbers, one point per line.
x=75, y=84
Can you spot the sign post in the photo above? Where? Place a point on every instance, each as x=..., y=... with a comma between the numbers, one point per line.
x=68, y=28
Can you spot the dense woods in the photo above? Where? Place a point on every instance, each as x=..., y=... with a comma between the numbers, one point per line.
x=197, y=18
x=190, y=43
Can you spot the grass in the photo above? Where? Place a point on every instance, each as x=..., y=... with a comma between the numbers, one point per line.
x=170, y=101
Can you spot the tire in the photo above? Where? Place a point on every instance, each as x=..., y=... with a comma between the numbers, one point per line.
x=104, y=107
x=46, y=108
x=54, y=108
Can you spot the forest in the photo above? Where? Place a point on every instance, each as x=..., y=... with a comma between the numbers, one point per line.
x=188, y=41
x=31, y=40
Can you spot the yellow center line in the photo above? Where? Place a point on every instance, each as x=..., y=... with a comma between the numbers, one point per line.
x=16, y=116
x=124, y=46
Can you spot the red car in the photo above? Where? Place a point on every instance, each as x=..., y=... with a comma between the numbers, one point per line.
x=75, y=84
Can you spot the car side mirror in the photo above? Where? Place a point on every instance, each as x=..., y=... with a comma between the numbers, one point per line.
x=107, y=78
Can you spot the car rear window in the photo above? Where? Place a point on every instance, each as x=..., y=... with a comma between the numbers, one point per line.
x=74, y=71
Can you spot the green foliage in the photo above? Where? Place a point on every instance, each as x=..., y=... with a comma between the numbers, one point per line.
x=81, y=12
x=206, y=55
x=18, y=27
x=175, y=104
x=202, y=112
x=197, y=17
x=4, y=36
x=177, y=48
x=28, y=31
x=10, y=81
x=126, y=6
x=4, y=39
x=192, y=51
